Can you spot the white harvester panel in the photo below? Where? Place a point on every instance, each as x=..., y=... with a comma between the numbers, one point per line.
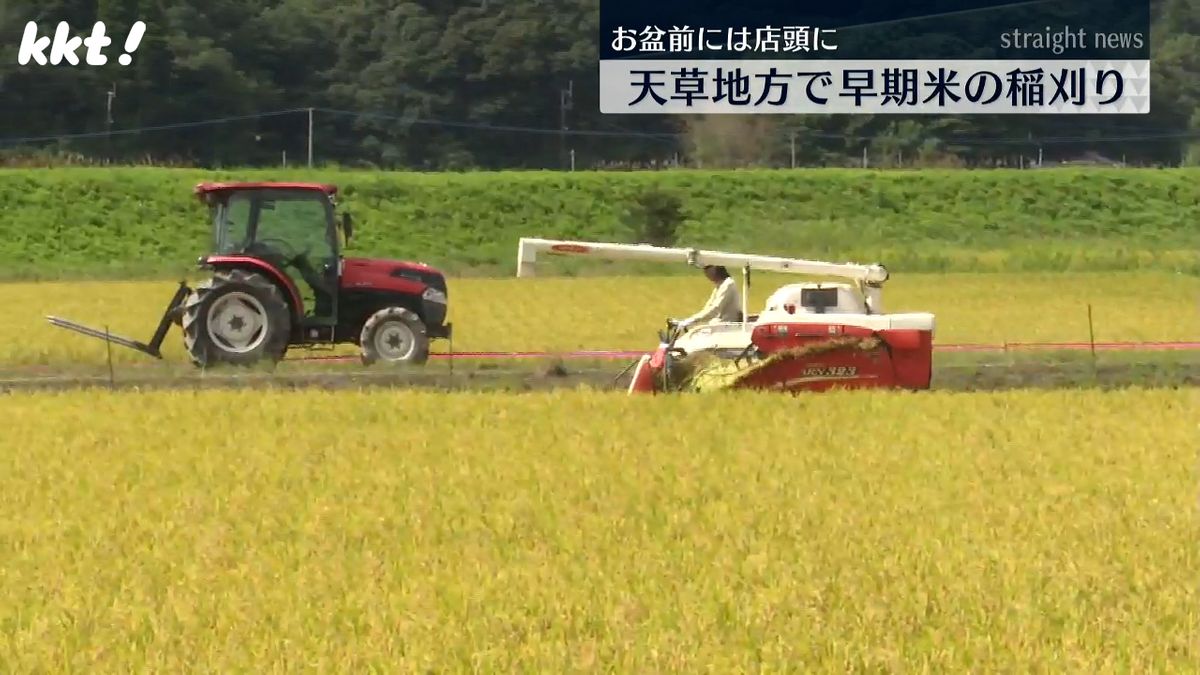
x=818, y=299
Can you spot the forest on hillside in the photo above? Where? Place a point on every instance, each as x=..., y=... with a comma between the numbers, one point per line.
x=457, y=84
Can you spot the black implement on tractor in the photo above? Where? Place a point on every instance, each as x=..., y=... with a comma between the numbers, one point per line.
x=278, y=280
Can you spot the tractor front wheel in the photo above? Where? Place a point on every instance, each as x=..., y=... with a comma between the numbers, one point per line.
x=236, y=318
x=394, y=335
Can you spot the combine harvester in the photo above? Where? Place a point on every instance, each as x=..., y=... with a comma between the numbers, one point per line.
x=808, y=337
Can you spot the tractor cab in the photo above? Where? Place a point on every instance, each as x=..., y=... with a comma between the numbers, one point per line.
x=290, y=226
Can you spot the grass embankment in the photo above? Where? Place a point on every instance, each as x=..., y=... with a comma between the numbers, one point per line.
x=1016, y=532
x=145, y=222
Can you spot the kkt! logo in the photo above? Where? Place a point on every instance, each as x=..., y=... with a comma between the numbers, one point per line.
x=64, y=45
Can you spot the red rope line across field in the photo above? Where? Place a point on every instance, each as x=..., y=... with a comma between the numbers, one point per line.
x=1072, y=346
x=964, y=347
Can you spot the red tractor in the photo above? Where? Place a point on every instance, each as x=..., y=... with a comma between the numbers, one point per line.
x=279, y=280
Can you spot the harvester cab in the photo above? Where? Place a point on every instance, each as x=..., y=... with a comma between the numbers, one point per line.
x=808, y=336
x=278, y=280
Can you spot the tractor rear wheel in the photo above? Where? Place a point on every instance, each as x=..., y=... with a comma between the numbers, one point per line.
x=236, y=318
x=394, y=335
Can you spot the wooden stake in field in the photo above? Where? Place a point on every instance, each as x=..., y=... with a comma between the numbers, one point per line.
x=1092, y=338
x=108, y=346
x=1091, y=331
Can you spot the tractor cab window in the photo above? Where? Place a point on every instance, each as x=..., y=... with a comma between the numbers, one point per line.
x=293, y=229
x=233, y=224
x=295, y=225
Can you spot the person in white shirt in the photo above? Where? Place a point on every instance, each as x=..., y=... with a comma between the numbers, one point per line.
x=725, y=303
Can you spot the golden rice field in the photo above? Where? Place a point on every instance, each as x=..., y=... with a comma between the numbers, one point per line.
x=624, y=313
x=408, y=532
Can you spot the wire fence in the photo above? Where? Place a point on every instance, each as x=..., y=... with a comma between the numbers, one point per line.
x=321, y=136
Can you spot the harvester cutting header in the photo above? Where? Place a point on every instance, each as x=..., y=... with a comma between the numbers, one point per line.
x=809, y=336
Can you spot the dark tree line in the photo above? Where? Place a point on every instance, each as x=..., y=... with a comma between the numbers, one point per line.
x=435, y=73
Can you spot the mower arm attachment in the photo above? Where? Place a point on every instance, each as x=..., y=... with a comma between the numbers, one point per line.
x=154, y=347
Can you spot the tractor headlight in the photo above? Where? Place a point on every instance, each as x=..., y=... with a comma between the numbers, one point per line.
x=434, y=295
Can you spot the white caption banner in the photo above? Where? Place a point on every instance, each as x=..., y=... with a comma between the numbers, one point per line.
x=796, y=87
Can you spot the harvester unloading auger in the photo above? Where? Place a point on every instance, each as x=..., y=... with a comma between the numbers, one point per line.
x=809, y=336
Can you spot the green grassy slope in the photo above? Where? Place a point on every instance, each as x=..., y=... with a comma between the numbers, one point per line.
x=145, y=221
